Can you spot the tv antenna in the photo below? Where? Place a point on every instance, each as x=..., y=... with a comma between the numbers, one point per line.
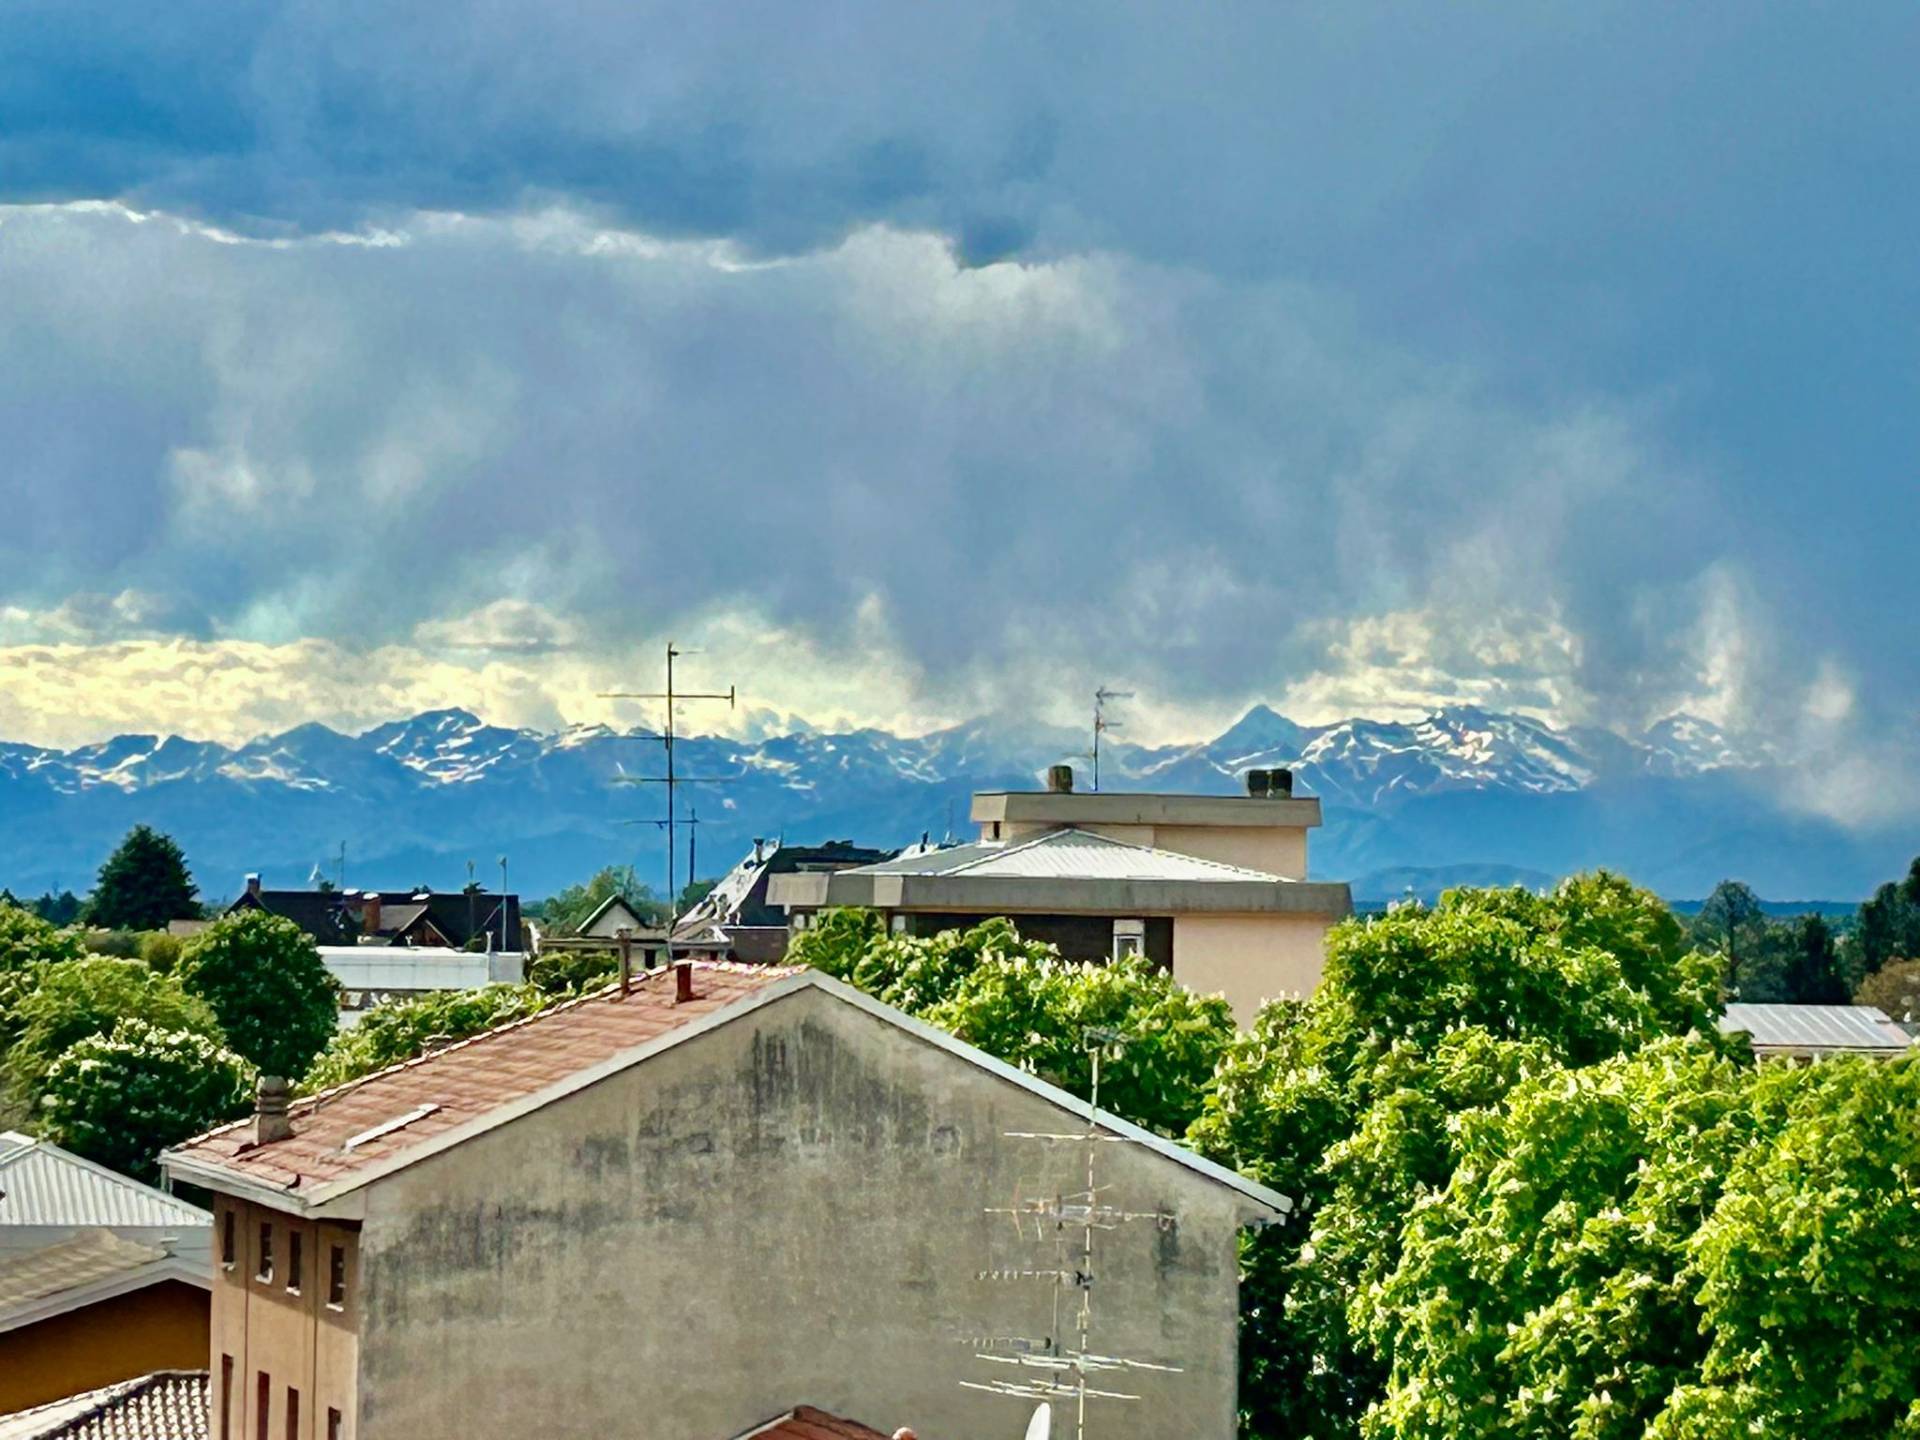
x=673, y=779
x=1052, y=1371
x=1101, y=724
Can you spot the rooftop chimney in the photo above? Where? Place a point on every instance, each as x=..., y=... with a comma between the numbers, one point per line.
x=1258, y=783
x=682, y=981
x=253, y=885
x=270, y=1121
x=759, y=848
x=1060, y=779
x=370, y=914
x=1270, y=784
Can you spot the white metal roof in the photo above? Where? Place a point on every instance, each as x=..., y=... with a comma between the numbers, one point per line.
x=1816, y=1027
x=1069, y=854
x=43, y=1185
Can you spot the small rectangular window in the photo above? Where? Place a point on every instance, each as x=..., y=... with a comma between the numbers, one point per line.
x=265, y=1272
x=263, y=1403
x=337, y=1276
x=226, y=1394
x=229, y=1243
x=293, y=1413
x=295, y=1243
x=333, y=1424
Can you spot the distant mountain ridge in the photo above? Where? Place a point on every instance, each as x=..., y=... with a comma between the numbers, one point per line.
x=1463, y=791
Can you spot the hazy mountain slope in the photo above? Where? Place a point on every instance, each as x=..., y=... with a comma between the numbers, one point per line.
x=1462, y=792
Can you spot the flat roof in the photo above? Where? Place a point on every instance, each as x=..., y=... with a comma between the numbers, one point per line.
x=1118, y=807
x=1858, y=1028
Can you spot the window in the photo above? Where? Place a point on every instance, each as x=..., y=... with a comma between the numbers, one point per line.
x=333, y=1424
x=265, y=1273
x=263, y=1402
x=1129, y=938
x=229, y=1244
x=898, y=924
x=337, y=1276
x=295, y=1243
x=293, y=1413
x=226, y=1394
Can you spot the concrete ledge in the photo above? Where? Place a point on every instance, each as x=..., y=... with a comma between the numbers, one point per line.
x=1046, y=807
x=1005, y=895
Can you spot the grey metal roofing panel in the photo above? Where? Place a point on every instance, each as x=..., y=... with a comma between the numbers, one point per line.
x=931, y=862
x=91, y=1255
x=43, y=1185
x=1815, y=1027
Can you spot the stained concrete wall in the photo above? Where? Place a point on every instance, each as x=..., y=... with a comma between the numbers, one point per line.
x=786, y=1210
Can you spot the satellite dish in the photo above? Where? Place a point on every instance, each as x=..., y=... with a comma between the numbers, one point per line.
x=1041, y=1426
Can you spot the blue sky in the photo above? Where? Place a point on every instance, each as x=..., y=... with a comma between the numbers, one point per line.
x=930, y=360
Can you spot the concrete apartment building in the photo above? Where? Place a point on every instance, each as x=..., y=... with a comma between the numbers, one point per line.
x=1211, y=887
x=676, y=1210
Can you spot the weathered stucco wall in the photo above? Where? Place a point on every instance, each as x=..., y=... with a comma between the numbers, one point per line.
x=786, y=1210
x=1250, y=959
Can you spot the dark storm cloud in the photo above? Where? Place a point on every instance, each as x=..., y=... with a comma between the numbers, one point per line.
x=1600, y=316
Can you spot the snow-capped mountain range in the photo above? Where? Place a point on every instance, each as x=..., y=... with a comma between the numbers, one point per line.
x=415, y=800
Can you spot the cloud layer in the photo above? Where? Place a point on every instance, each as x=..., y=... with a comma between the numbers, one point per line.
x=923, y=362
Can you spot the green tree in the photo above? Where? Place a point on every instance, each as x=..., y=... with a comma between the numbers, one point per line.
x=27, y=940
x=1894, y=988
x=1350, y=1102
x=1806, y=1272
x=1888, y=925
x=143, y=885
x=74, y=999
x=1811, y=970
x=1733, y=924
x=1037, y=1013
x=568, y=909
x=400, y=1030
x=263, y=977
x=121, y=1099
x=62, y=909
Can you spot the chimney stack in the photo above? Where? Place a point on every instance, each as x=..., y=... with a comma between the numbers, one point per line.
x=370, y=914
x=270, y=1120
x=626, y=959
x=253, y=885
x=1060, y=779
x=1258, y=782
x=1270, y=784
x=759, y=849
x=682, y=981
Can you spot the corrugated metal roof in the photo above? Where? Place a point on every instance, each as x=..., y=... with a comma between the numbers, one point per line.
x=1815, y=1027
x=1067, y=854
x=167, y=1405
x=89, y=1256
x=41, y=1184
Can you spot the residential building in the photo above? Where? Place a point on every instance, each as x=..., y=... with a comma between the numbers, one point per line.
x=1213, y=888
x=371, y=975
x=1813, y=1032
x=738, y=920
x=166, y=1405
x=438, y=919
x=101, y=1278
x=806, y=1423
x=699, y=1200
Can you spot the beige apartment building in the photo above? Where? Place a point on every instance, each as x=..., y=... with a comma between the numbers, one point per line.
x=1213, y=888
x=673, y=1210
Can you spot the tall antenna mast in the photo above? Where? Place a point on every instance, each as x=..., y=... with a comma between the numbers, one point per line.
x=1101, y=724
x=1064, y=1373
x=673, y=779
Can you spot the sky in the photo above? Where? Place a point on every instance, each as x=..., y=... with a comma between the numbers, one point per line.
x=921, y=362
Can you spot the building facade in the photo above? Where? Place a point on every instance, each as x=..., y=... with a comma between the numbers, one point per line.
x=681, y=1210
x=1213, y=888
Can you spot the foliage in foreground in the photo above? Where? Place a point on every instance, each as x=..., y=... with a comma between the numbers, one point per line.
x=264, y=978
x=121, y=1099
x=74, y=1000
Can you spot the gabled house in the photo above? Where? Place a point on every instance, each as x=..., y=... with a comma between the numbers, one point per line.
x=431, y=919
x=1213, y=888
x=102, y=1279
x=739, y=920
x=679, y=1208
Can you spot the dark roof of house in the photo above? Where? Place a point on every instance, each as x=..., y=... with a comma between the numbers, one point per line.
x=166, y=1405
x=318, y=912
x=331, y=916
x=803, y=1422
x=739, y=898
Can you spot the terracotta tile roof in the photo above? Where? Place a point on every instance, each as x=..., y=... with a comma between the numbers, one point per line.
x=384, y=1115
x=807, y=1423
x=167, y=1405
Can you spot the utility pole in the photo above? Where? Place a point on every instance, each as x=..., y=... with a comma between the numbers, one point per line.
x=1102, y=724
x=673, y=779
x=503, y=909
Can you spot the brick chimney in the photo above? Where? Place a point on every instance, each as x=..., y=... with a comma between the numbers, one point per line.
x=682, y=981
x=270, y=1120
x=370, y=914
x=253, y=886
